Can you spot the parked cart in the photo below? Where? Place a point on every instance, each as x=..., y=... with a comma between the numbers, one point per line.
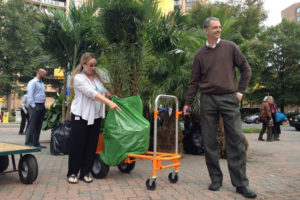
x=100, y=169
x=27, y=167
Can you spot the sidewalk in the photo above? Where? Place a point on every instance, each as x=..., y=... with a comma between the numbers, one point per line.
x=273, y=170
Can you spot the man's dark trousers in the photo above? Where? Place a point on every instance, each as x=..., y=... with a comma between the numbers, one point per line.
x=228, y=106
x=36, y=118
x=265, y=125
x=25, y=118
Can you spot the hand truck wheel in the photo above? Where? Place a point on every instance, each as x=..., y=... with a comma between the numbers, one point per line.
x=151, y=184
x=173, y=177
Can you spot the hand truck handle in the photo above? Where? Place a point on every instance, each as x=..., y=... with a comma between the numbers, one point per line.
x=156, y=113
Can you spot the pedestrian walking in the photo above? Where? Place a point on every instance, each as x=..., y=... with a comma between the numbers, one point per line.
x=24, y=115
x=276, y=125
x=266, y=119
x=36, y=98
x=213, y=73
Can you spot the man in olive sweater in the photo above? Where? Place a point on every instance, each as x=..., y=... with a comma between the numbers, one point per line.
x=213, y=73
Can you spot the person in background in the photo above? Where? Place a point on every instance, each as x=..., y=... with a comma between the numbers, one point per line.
x=276, y=125
x=266, y=119
x=36, y=98
x=24, y=115
x=86, y=113
x=213, y=73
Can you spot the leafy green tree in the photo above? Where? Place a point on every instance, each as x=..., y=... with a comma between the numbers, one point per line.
x=123, y=25
x=18, y=47
x=250, y=15
x=281, y=76
x=66, y=38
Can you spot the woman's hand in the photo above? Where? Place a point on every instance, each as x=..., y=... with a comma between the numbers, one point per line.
x=114, y=106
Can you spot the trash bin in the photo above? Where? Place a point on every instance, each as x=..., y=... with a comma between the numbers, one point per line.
x=18, y=115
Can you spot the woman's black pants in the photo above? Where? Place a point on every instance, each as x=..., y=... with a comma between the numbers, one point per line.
x=84, y=139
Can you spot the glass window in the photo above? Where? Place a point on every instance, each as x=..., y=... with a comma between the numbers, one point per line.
x=187, y=8
x=298, y=18
x=190, y=1
x=298, y=10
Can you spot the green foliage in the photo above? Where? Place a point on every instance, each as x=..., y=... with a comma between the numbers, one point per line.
x=281, y=77
x=53, y=114
x=168, y=73
x=123, y=24
x=200, y=12
x=65, y=38
x=250, y=15
x=164, y=33
x=124, y=20
x=251, y=130
x=11, y=118
x=17, y=45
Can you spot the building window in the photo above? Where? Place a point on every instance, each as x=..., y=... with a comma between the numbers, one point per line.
x=188, y=8
x=188, y=1
x=298, y=10
x=298, y=18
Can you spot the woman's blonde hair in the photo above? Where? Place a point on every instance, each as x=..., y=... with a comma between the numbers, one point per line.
x=83, y=60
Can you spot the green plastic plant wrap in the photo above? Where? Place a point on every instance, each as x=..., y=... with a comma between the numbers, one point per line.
x=126, y=132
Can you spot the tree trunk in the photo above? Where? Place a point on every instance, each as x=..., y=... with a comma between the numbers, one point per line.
x=63, y=111
x=8, y=98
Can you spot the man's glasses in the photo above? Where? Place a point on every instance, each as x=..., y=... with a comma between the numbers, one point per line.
x=91, y=65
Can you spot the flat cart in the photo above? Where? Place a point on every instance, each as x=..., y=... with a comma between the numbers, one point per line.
x=27, y=167
x=100, y=169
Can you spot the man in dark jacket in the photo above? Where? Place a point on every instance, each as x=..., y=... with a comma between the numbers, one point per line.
x=213, y=73
x=266, y=119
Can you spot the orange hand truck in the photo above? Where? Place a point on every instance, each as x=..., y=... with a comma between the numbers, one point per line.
x=100, y=169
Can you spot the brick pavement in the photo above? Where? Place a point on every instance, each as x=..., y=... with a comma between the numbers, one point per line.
x=273, y=170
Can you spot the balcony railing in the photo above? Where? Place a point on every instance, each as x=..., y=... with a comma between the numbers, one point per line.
x=51, y=2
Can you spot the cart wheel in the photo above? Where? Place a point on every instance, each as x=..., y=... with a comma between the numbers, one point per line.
x=173, y=179
x=28, y=169
x=3, y=163
x=152, y=186
x=126, y=167
x=99, y=168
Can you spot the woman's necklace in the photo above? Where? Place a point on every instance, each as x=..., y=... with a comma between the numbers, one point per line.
x=92, y=81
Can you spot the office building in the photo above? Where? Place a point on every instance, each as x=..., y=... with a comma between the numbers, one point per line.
x=292, y=12
x=43, y=5
x=186, y=5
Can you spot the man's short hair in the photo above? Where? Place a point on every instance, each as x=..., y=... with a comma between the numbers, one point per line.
x=207, y=21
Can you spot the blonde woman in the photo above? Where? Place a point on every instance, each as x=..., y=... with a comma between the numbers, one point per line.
x=86, y=113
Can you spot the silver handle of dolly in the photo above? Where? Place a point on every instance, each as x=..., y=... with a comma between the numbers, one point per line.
x=155, y=121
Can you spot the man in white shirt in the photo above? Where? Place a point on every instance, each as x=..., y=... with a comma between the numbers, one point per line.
x=24, y=115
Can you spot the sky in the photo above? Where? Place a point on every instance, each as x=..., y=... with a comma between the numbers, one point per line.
x=273, y=9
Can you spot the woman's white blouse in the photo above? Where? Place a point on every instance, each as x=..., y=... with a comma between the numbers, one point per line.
x=84, y=103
